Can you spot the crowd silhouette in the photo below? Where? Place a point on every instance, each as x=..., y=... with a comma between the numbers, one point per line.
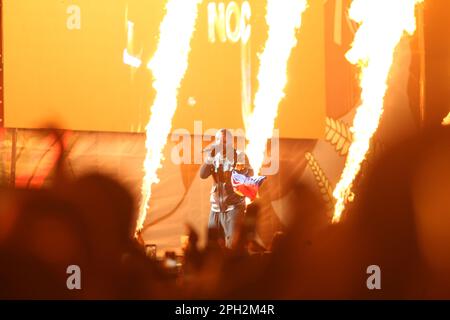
x=399, y=221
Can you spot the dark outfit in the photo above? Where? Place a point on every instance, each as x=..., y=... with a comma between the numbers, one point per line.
x=227, y=207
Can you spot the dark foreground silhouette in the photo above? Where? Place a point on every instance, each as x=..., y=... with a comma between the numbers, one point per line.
x=399, y=221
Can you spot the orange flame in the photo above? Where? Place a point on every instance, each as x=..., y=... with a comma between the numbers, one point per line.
x=382, y=24
x=168, y=65
x=284, y=19
x=446, y=121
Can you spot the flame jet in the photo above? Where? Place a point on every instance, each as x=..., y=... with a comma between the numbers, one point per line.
x=168, y=65
x=284, y=19
x=446, y=121
x=382, y=24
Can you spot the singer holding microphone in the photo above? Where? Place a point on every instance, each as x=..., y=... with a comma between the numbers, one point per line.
x=227, y=206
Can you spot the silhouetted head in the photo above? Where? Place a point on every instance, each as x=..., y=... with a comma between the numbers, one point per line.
x=107, y=206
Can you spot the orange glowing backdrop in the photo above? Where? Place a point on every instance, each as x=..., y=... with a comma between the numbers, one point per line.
x=64, y=64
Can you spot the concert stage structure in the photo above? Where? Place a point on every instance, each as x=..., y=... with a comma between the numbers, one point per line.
x=103, y=70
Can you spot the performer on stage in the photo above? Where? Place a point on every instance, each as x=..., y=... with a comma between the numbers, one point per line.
x=227, y=206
